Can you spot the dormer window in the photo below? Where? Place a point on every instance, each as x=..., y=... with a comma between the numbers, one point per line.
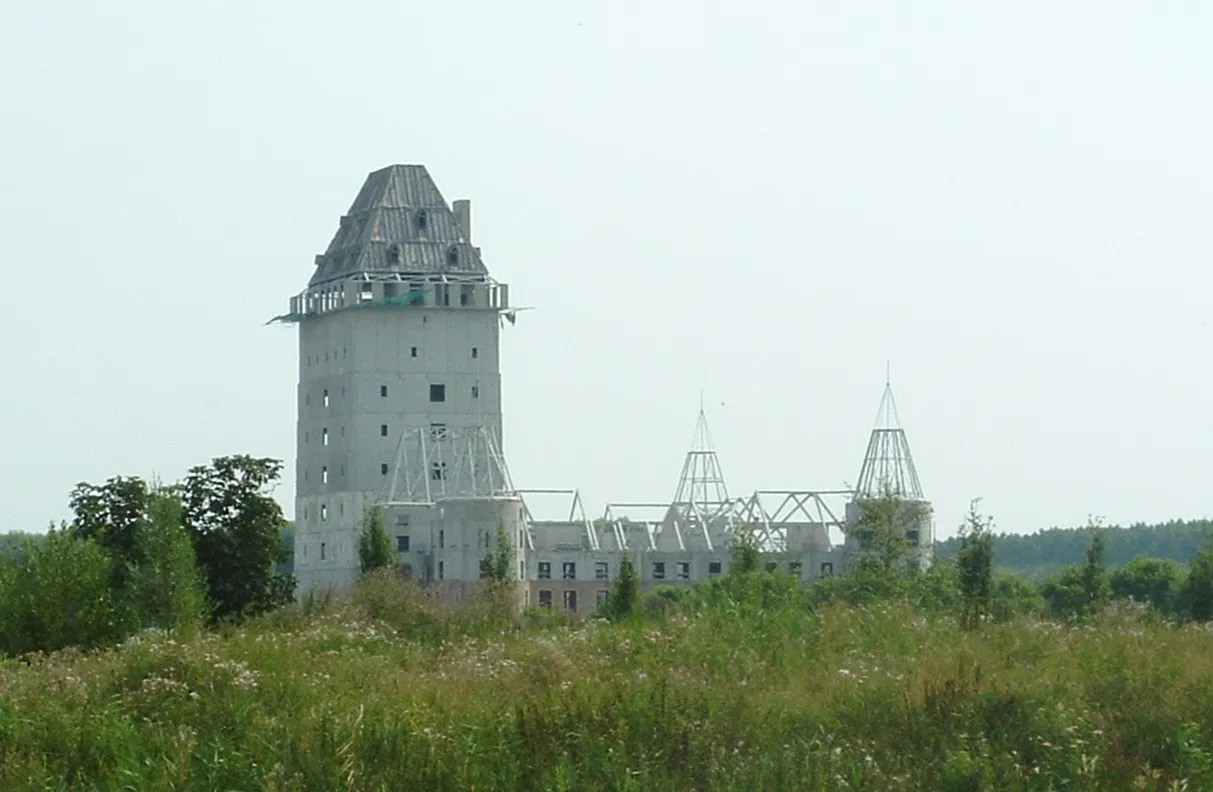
x=393, y=254
x=422, y=220
x=452, y=256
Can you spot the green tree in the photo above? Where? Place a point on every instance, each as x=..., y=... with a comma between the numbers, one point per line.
x=623, y=603
x=975, y=565
x=887, y=532
x=166, y=589
x=110, y=514
x=236, y=527
x=1094, y=576
x=1152, y=581
x=58, y=595
x=1198, y=588
x=743, y=553
x=375, y=549
x=497, y=565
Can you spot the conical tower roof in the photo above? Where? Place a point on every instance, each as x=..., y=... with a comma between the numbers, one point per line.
x=399, y=223
x=888, y=465
x=702, y=482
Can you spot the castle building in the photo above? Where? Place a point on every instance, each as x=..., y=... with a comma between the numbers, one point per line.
x=399, y=408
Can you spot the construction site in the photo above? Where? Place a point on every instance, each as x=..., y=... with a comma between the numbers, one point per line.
x=399, y=407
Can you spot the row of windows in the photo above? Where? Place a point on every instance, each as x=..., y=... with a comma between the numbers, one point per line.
x=570, y=599
x=315, y=359
x=682, y=569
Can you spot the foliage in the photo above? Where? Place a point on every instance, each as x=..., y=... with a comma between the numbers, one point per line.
x=1154, y=581
x=743, y=554
x=497, y=565
x=165, y=590
x=1013, y=597
x=1079, y=591
x=111, y=514
x=57, y=595
x=975, y=566
x=1198, y=588
x=624, y=601
x=740, y=687
x=236, y=526
x=883, y=531
x=375, y=550
x=1044, y=553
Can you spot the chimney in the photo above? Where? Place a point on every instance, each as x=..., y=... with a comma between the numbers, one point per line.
x=463, y=216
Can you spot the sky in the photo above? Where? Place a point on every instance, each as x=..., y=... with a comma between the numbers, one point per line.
x=768, y=203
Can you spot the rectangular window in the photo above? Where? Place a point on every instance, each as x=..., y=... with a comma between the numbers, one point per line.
x=383, y=469
x=441, y=538
x=324, y=475
x=438, y=471
x=402, y=544
x=475, y=352
x=684, y=570
x=713, y=568
x=827, y=567
x=324, y=512
x=601, y=571
x=383, y=430
x=570, y=601
x=324, y=437
x=323, y=547
x=437, y=393
x=440, y=570
x=569, y=570
x=412, y=351
x=475, y=391
x=772, y=566
x=326, y=398
x=602, y=595
x=658, y=570
x=545, y=570
x=912, y=537
x=545, y=598
x=794, y=567
x=466, y=295
x=437, y=431
x=383, y=391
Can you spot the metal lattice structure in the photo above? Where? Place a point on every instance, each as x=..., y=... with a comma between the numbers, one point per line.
x=888, y=466
x=576, y=514
x=432, y=464
x=702, y=506
x=767, y=514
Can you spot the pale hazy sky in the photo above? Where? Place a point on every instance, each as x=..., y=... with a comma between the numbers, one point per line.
x=762, y=200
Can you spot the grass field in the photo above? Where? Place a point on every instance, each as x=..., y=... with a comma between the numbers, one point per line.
x=383, y=692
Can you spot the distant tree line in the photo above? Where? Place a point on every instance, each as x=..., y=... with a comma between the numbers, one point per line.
x=139, y=555
x=1046, y=552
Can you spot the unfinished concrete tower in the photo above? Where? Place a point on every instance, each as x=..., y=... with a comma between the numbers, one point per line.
x=888, y=489
x=399, y=395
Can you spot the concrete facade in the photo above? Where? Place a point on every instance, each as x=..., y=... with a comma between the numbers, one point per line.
x=399, y=406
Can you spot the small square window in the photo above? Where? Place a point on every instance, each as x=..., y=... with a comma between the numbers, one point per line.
x=545, y=598
x=437, y=393
x=383, y=469
x=794, y=567
x=713, y=567
x=684, y=570
x=658, y=570
x=383, y=391
x=413, y=352
x=402, y=544
x=912, y=537
x=569, y=570
x=475, y=352
x=601, y=571
x=545, y=570
x=827, y=567
x=383, y=430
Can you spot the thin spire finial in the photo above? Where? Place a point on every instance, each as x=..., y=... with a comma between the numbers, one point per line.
x=888, y=373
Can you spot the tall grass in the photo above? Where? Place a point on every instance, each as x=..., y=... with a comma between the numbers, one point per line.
x=744, y=686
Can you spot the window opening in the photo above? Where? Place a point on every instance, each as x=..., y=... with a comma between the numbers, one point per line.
x=324, y=512
x=324, y=475
x=601, y=571
x=658, y=570
x=413, y=352
x=475, y=391
x=569, y=570
x=326, y=398
x=383, y=469
x=570, y=601
x=475, y=352
x=437, y=393
x=684, y=570
x=545, y=570
x=383, y=391
x=438, y=472
x=323, y=547
x=713, y=567
x=383, y=430
x=402, y=543
x=545, y=598
x=422, y=220
x=393, y=254
x=452, y=256
x=324, y=436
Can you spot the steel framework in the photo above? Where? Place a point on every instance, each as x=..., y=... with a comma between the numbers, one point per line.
x=888, y=466
x=576, y=514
